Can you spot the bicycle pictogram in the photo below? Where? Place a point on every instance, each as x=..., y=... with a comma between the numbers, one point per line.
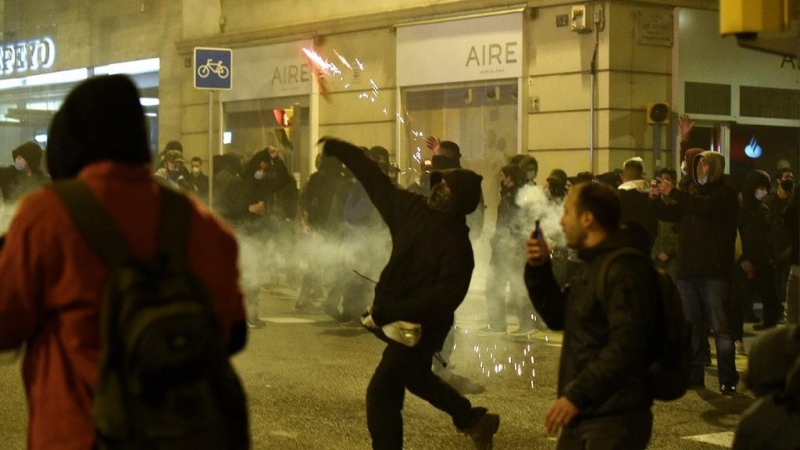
x=210, y=66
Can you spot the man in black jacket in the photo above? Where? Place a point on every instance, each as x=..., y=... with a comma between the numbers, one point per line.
x=425, y=280
x=603, y=396
x=706, y=243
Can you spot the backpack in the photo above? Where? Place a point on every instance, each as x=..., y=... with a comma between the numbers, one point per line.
x=669, y=375
x=165, y=381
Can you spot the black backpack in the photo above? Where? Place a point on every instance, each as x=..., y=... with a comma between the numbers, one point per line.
x=669, y=375
x=165, y=381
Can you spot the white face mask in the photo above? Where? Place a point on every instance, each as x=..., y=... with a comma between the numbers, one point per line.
x=702, y=180
x=683, y=167
x=760, y=194
x=20, y=165
x=195, y=171
x=259, y=175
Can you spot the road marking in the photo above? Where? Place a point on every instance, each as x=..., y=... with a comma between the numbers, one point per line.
x=724, y=439
x=288, y=320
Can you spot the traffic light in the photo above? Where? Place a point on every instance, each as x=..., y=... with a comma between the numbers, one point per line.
x=756, y=16
x=285, y=119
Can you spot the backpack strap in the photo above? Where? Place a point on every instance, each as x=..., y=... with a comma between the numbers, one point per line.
x=93, y=222
x=104, y=238
x=602, y=273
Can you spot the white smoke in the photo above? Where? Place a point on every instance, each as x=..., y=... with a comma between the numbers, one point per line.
x=285, y=259
x=537, y=205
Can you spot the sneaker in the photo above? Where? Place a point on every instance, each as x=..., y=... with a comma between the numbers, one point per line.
x=255, y=322
x=484, y=427
x=464, y=385
x=728, y=390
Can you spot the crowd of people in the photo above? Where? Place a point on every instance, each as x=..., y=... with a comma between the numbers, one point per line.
x=401, y=258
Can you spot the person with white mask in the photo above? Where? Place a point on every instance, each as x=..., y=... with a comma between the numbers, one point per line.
x=24, y=175
x=707, y=232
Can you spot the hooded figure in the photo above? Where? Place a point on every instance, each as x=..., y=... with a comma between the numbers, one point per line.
x=25, y=175
x=757, y=263
x=425, y=280
x=773, y=375
x=52, y=284
x=267, y=179
x=707, y=231
x=98, y=121
x=31, y=153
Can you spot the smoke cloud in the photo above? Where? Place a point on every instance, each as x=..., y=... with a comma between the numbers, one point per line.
x=537, y=205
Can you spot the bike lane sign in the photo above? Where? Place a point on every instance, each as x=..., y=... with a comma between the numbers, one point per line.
x=213, y=68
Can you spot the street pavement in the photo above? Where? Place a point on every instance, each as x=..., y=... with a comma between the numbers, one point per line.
x=306, y=379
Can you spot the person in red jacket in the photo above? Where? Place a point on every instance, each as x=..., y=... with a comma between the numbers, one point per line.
x=52, y=284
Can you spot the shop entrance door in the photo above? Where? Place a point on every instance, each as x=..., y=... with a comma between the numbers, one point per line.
x=482, y=118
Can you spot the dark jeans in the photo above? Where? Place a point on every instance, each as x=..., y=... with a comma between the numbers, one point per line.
x=627, y=431
x=404, y=368
x=705, y=300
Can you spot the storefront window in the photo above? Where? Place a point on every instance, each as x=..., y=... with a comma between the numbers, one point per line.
x=482, y=118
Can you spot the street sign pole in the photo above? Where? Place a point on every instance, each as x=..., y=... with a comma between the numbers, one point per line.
x=210, y=152
x=213, y=70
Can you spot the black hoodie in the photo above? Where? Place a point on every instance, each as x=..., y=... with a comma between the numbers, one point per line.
x=755, y=224
x=429, y=271
x=277, y=189
x=16, y=184
x=707, y=231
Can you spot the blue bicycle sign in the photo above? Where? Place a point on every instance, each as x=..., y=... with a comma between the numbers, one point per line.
x=212, y=68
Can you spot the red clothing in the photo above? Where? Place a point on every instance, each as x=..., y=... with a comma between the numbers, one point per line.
x=51, y=290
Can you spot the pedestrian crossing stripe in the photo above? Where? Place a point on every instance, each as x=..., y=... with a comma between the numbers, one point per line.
x=724, y=439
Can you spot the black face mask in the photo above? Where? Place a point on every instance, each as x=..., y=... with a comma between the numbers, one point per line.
x=787, y=185
x=440, y=199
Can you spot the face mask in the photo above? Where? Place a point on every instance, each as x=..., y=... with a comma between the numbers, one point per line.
x=531, y=175
x=760, y=194
x=195, y=171
x=683, y=168
x=787, y=185
x=439, y=199
x=20, y=165
x=258, y=175
x=702, y=180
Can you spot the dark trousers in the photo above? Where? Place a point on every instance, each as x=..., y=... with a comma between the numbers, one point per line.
x=705, y=300
x=404, y=368
x=628, y=431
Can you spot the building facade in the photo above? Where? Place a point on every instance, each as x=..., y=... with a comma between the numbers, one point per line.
x=569, y=83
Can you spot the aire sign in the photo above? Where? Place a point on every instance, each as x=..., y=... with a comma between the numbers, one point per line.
x=480, y=48
x=271, y=71
x=27, y=56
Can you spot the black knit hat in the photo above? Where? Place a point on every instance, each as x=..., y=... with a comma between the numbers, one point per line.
x=173, y=145
x=465, y=187
x=101, y=119
x=32, y=154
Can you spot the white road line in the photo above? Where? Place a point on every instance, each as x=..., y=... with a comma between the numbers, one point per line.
x=724, y=439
